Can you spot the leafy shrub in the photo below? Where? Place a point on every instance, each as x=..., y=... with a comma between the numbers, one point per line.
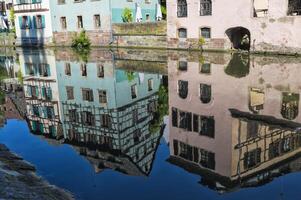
x=127, y=15
x=81, y=41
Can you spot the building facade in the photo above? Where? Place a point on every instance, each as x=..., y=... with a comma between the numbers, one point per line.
x=45, y=22
x=253, y=25
x=237, y=135
x=33, y=22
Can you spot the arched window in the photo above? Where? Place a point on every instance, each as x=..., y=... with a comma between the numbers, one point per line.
x=183, y=89
x=206, y=7
x=290, y=105
x=205, y=93
x=182, y=8
x=182, y=66
x=206, y=32
x=182, y=33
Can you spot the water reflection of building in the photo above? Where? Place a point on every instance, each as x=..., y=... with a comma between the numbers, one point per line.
x=105, y=109
x=230, y=124
x=41, y=92
x=105, y=113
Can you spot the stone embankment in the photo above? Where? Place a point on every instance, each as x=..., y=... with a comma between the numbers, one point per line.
x=18, y=180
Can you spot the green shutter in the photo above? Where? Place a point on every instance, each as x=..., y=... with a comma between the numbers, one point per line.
x=48, y=69
x=34, y=22
x=20, y=22
x=43, y=21
x=34, y=125
x=49, y=93
x=43, y=92
x=37, y=91
x=29, y=22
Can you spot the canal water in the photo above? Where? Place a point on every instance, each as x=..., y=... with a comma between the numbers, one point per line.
x=151, y=124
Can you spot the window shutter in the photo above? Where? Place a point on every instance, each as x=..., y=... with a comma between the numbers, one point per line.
x=20, y=22
x=43, y=21
x=29, y=22
x=34, y=22
x=48, y=69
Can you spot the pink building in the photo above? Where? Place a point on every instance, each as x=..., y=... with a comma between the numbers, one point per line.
x=231, y=126
x=256, y=25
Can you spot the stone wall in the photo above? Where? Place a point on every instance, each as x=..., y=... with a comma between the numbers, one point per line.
x=7, y=39
x=150, y=34
x=97, y=38
x=140, y=41
x=148, y=28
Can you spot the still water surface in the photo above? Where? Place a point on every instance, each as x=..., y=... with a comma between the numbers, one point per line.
x=140, y=124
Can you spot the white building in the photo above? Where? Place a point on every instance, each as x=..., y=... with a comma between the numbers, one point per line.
x=33, y=22
x=269, y=26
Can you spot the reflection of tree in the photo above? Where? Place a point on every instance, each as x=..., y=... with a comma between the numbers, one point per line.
x=130, y=75
x=239, y=65
x=162, y=109
x=82, y=53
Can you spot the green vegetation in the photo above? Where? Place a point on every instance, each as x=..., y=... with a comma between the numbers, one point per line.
x=127, y=15
x=130, y=75
x=83, y=54
x=81, y=41
x=81, y=45
x=201, y=43
x=3, y=73
x=162, y=109
x=20, y=77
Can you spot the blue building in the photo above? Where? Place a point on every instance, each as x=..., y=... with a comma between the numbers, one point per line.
x=97, y=17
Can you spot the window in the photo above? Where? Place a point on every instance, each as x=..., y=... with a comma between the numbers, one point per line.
x=207, y=126
x=83, y=68
x=68, y=69
x=290, y=105
x=205, y=93
x=260, y=8
x=61, y=2
x=205, y=68
x=44, y=70
x=147, y=17
x=206, y=32
x=25, y=22
x=63, y=23
x=39, y=21
x=183, y=89
x=294, y=7
x=87, y=118
x=182, y=33
x=73, y=117
x=50, y=112
x=206, y=7
x=207, y=159
x=70, y=93
x=185, y=120
x=87, y=95
x=134, y=91
x=102, y=96
x=252, y=158
x=183, y=65
x=150, y=84
x=100, y=71
x=80, y=22
x=97, y=21
x=105, y=120
x=182, y=8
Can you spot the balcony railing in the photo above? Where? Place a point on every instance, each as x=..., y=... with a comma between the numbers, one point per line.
x=29, y=6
